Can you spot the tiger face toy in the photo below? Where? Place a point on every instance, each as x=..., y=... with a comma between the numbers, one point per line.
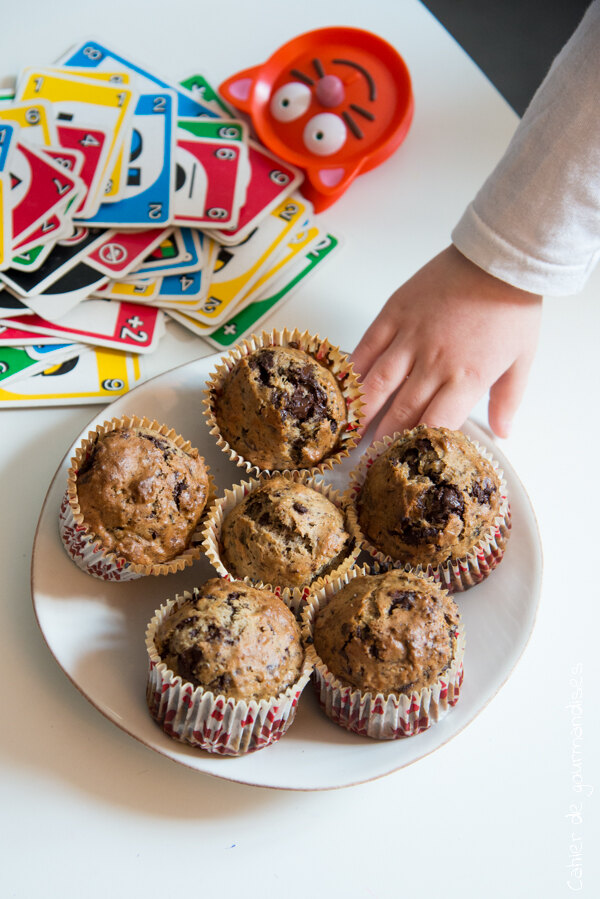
x=335, y=102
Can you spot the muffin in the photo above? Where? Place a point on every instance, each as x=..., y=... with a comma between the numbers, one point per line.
x=285, y=533
x=432, y=498
x=284, y=401
x=281, y=409
x=233, y=640
x=388, y=652
x=226, y=667
x=137, y=492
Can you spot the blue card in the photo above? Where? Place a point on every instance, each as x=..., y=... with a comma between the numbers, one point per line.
x=193, y=244
x=93, y=55
x=185, y=287
x=146, y=199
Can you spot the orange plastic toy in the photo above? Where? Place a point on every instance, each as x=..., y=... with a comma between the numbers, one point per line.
x=335, y=102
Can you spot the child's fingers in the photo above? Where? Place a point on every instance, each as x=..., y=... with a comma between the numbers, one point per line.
x=506, y=395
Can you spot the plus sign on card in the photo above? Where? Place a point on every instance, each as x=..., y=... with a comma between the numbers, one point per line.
x=119, y=325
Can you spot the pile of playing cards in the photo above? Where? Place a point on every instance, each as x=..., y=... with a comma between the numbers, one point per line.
x=125, y=199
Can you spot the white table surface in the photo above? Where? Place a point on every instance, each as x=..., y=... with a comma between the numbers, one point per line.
x=87, y=811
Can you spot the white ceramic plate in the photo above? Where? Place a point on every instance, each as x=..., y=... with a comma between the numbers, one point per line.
x=95, y=630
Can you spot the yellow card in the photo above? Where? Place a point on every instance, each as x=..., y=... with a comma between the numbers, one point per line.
x=36, y=117
x=142, y=291
x=87, y=101
x=239, y=267
x=97, y=375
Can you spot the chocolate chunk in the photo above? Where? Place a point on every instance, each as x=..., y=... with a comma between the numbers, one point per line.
x=483, y=491
x=402, y=599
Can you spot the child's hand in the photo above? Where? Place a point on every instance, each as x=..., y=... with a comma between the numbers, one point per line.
x=442, y=340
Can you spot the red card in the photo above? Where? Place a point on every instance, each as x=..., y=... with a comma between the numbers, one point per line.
x=119, y=325
x=38, y=187
x=122, y=251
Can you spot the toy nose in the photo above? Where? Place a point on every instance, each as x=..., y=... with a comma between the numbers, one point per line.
x=330, y=91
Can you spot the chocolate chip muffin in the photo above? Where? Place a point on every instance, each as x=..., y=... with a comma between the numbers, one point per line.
x=429, y=497
x=284, y=533
x=141, y=494
x=233, y=640
x=394, y=632
x=280, y=409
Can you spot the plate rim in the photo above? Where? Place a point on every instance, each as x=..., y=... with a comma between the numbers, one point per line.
x=122, y=725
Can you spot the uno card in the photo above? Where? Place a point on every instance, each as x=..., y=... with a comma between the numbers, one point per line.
x=30, y=260
x=203, y=92
x=35, y=117
x=181, y=252
x=239, y=267
x=11, y=305
x=190, y=286
x=22, y=362
x=135, y=291
x=147, y=196
x=39, y=188
x=298, y=245
x=84, y=101
x=118, y=325
x=208, y=173
x=250, y=317
x=123, y=250
x=94, y=144
x=63, y=258
x=98, y=375
x=8, y=141
x=11, y=336
x=94, y=56
x=271, y=180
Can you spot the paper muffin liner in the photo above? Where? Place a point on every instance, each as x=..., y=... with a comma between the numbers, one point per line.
x=324, y=352
x=218, y=724
x=85, y=548
x=456, y=575
x=294, y=597
x=376, y=715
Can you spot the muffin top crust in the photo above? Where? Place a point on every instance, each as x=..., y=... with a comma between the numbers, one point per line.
x=142, y=495
x=281, y=409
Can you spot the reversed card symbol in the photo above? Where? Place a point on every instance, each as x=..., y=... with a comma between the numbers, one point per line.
x=112, y=253
x=14, y=181
x=62, y=369
x=113, y=384
x=134, y=175
x=4, y=367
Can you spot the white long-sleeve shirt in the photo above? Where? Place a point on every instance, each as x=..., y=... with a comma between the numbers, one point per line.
x=535, y=223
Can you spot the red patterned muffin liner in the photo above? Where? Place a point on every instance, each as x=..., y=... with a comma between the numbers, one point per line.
x=455, y=575
x=217, y=724
x=375, y=715
x=85, y=548
x=323, y=351
x=294, y=597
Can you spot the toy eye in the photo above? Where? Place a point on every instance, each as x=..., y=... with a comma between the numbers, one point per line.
x=290, y=101
x=324, y=134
